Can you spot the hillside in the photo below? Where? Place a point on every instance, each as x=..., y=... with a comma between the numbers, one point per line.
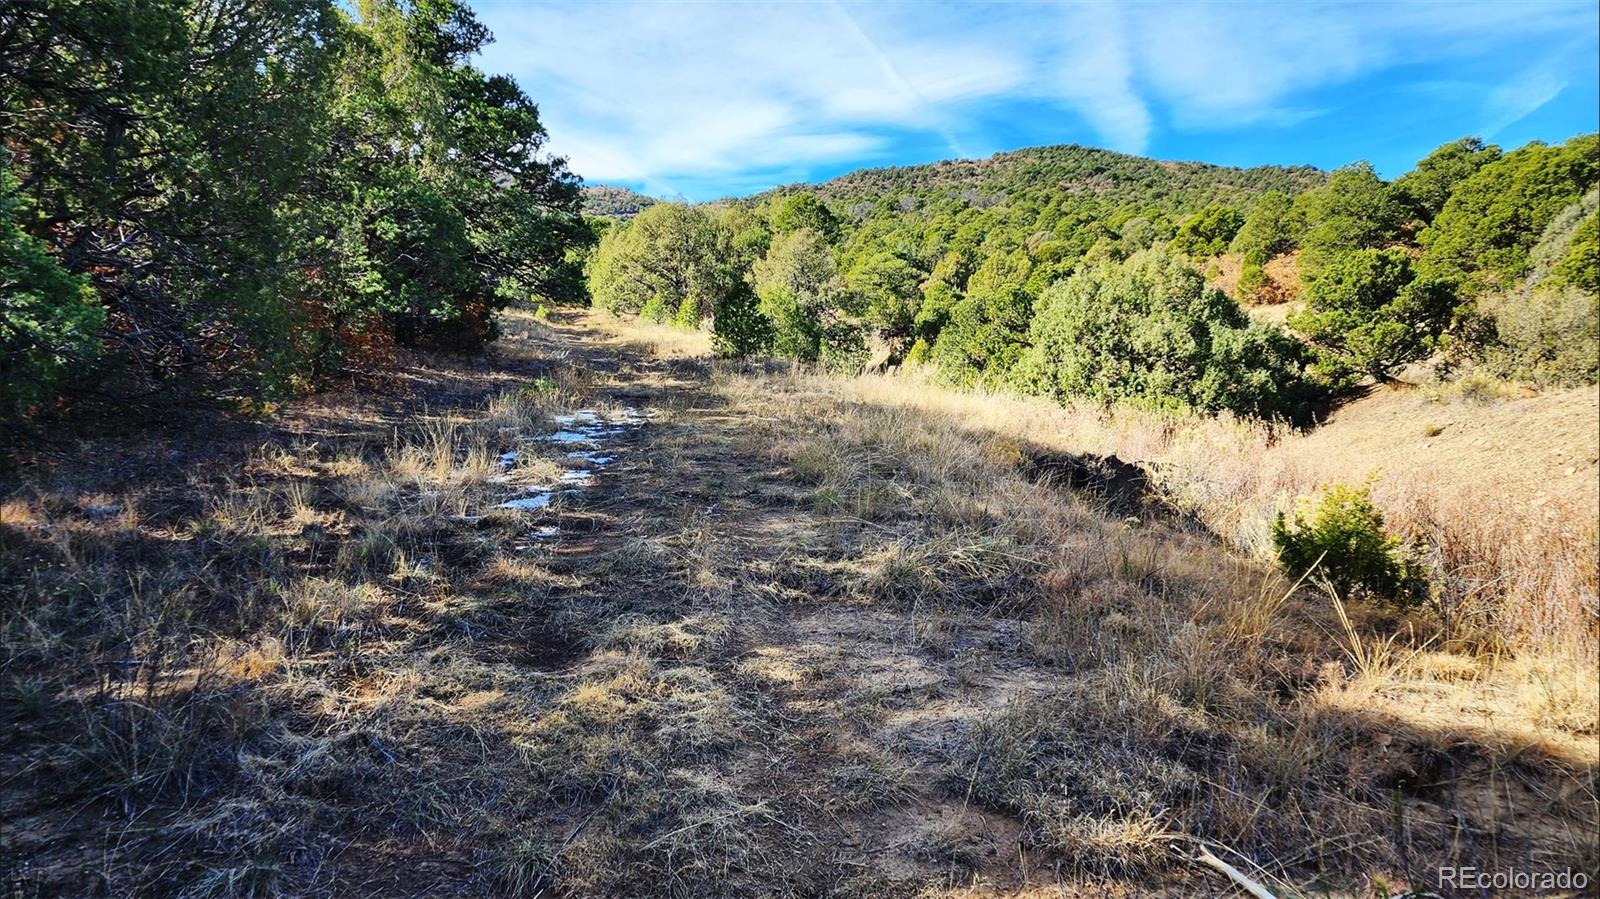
x=601, y=201
x=1064, y=174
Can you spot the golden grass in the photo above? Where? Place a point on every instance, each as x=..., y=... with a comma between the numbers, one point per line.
x=818, y=637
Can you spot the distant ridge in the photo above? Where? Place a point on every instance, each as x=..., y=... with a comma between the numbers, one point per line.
x=1061, y=172
x=602, y=201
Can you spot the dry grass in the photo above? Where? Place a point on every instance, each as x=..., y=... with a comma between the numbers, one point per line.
x=808, y=637
x=1519, y=572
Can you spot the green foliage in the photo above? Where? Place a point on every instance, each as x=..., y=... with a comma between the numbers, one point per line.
x=1355, y=210
x=1150, y=331
x=1339, y=537
x=1065, y=176
x=1568, y=253
x=1271, y=227
x=1369, y=314
x=1482, y=237
x=49, y=320
x=1580, y=267
x=601, y=201
x=986, y=330
x=1425, y=189
x=670, y=260
x=1253, y=273
x=1207, y=232
x=889, y=291
x=260, y=193
x=804, y=211
x=738, y=329
x=800, y=290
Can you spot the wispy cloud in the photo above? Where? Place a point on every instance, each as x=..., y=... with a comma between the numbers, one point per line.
x=1521, y=97
x=661, y=95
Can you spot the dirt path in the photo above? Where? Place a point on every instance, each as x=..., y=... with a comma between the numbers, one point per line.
x=844, y=718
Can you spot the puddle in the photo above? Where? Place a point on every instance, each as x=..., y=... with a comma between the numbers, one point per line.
x=580, y=427
x=528, y=503
x=585, y=436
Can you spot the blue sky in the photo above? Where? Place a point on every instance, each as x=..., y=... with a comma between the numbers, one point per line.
x=712, y=99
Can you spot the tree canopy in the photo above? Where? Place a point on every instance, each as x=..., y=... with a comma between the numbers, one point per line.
x=259, y=195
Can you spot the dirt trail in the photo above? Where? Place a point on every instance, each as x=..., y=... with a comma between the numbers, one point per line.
x=847, y=715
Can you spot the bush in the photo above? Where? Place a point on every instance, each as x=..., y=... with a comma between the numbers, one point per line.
x=1369, y=314
x=1339, y=537
x=738, y=329
x=1207, y=232
x=1150, y=330
x=668, y=257
x=1484, y=235
x=1549, y=337
x=1253, y=274
x=1355, y=210
x=984, y=333
x=1581, y=266
x=50, y=321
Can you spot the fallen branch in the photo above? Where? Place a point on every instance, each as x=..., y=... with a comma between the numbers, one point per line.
x=1234, y=874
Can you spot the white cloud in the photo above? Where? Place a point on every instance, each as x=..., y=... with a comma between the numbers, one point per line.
x=1517, y=99
x=659, y=94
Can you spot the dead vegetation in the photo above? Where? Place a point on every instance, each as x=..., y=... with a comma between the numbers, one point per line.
x=805, y=637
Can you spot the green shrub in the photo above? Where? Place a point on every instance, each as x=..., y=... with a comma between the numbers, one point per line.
x=1207, y=232
x=1339, y=537
x=671, y=258
x=1355, y=210
x=50, y=320
x=1484, y=235
x=843, y=348
x=738, y=329
x=984, y=333
x=1150, y=331
x=1579, y=265
x=1369, y=314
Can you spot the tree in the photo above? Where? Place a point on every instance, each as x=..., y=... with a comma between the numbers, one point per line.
x=800, y=291
x=986, y=329
x=1369, y=314
x=255, y=190
x=1425, y=189
x=738, y=329
x=50, y=320
x=1355, y=210
x=891, y=296
x=1253, y=274
x=157, y=148
x=804, y=211
x=417, y=133
x=1207, y=232
x=1149, y=330
x=1482, y=237
x=670, y=256
x=1271, y=227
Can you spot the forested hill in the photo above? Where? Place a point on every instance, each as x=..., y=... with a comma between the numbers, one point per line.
x=602, y=201
x=1064, y=172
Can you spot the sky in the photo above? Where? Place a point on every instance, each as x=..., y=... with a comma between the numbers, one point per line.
x=712, y=99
